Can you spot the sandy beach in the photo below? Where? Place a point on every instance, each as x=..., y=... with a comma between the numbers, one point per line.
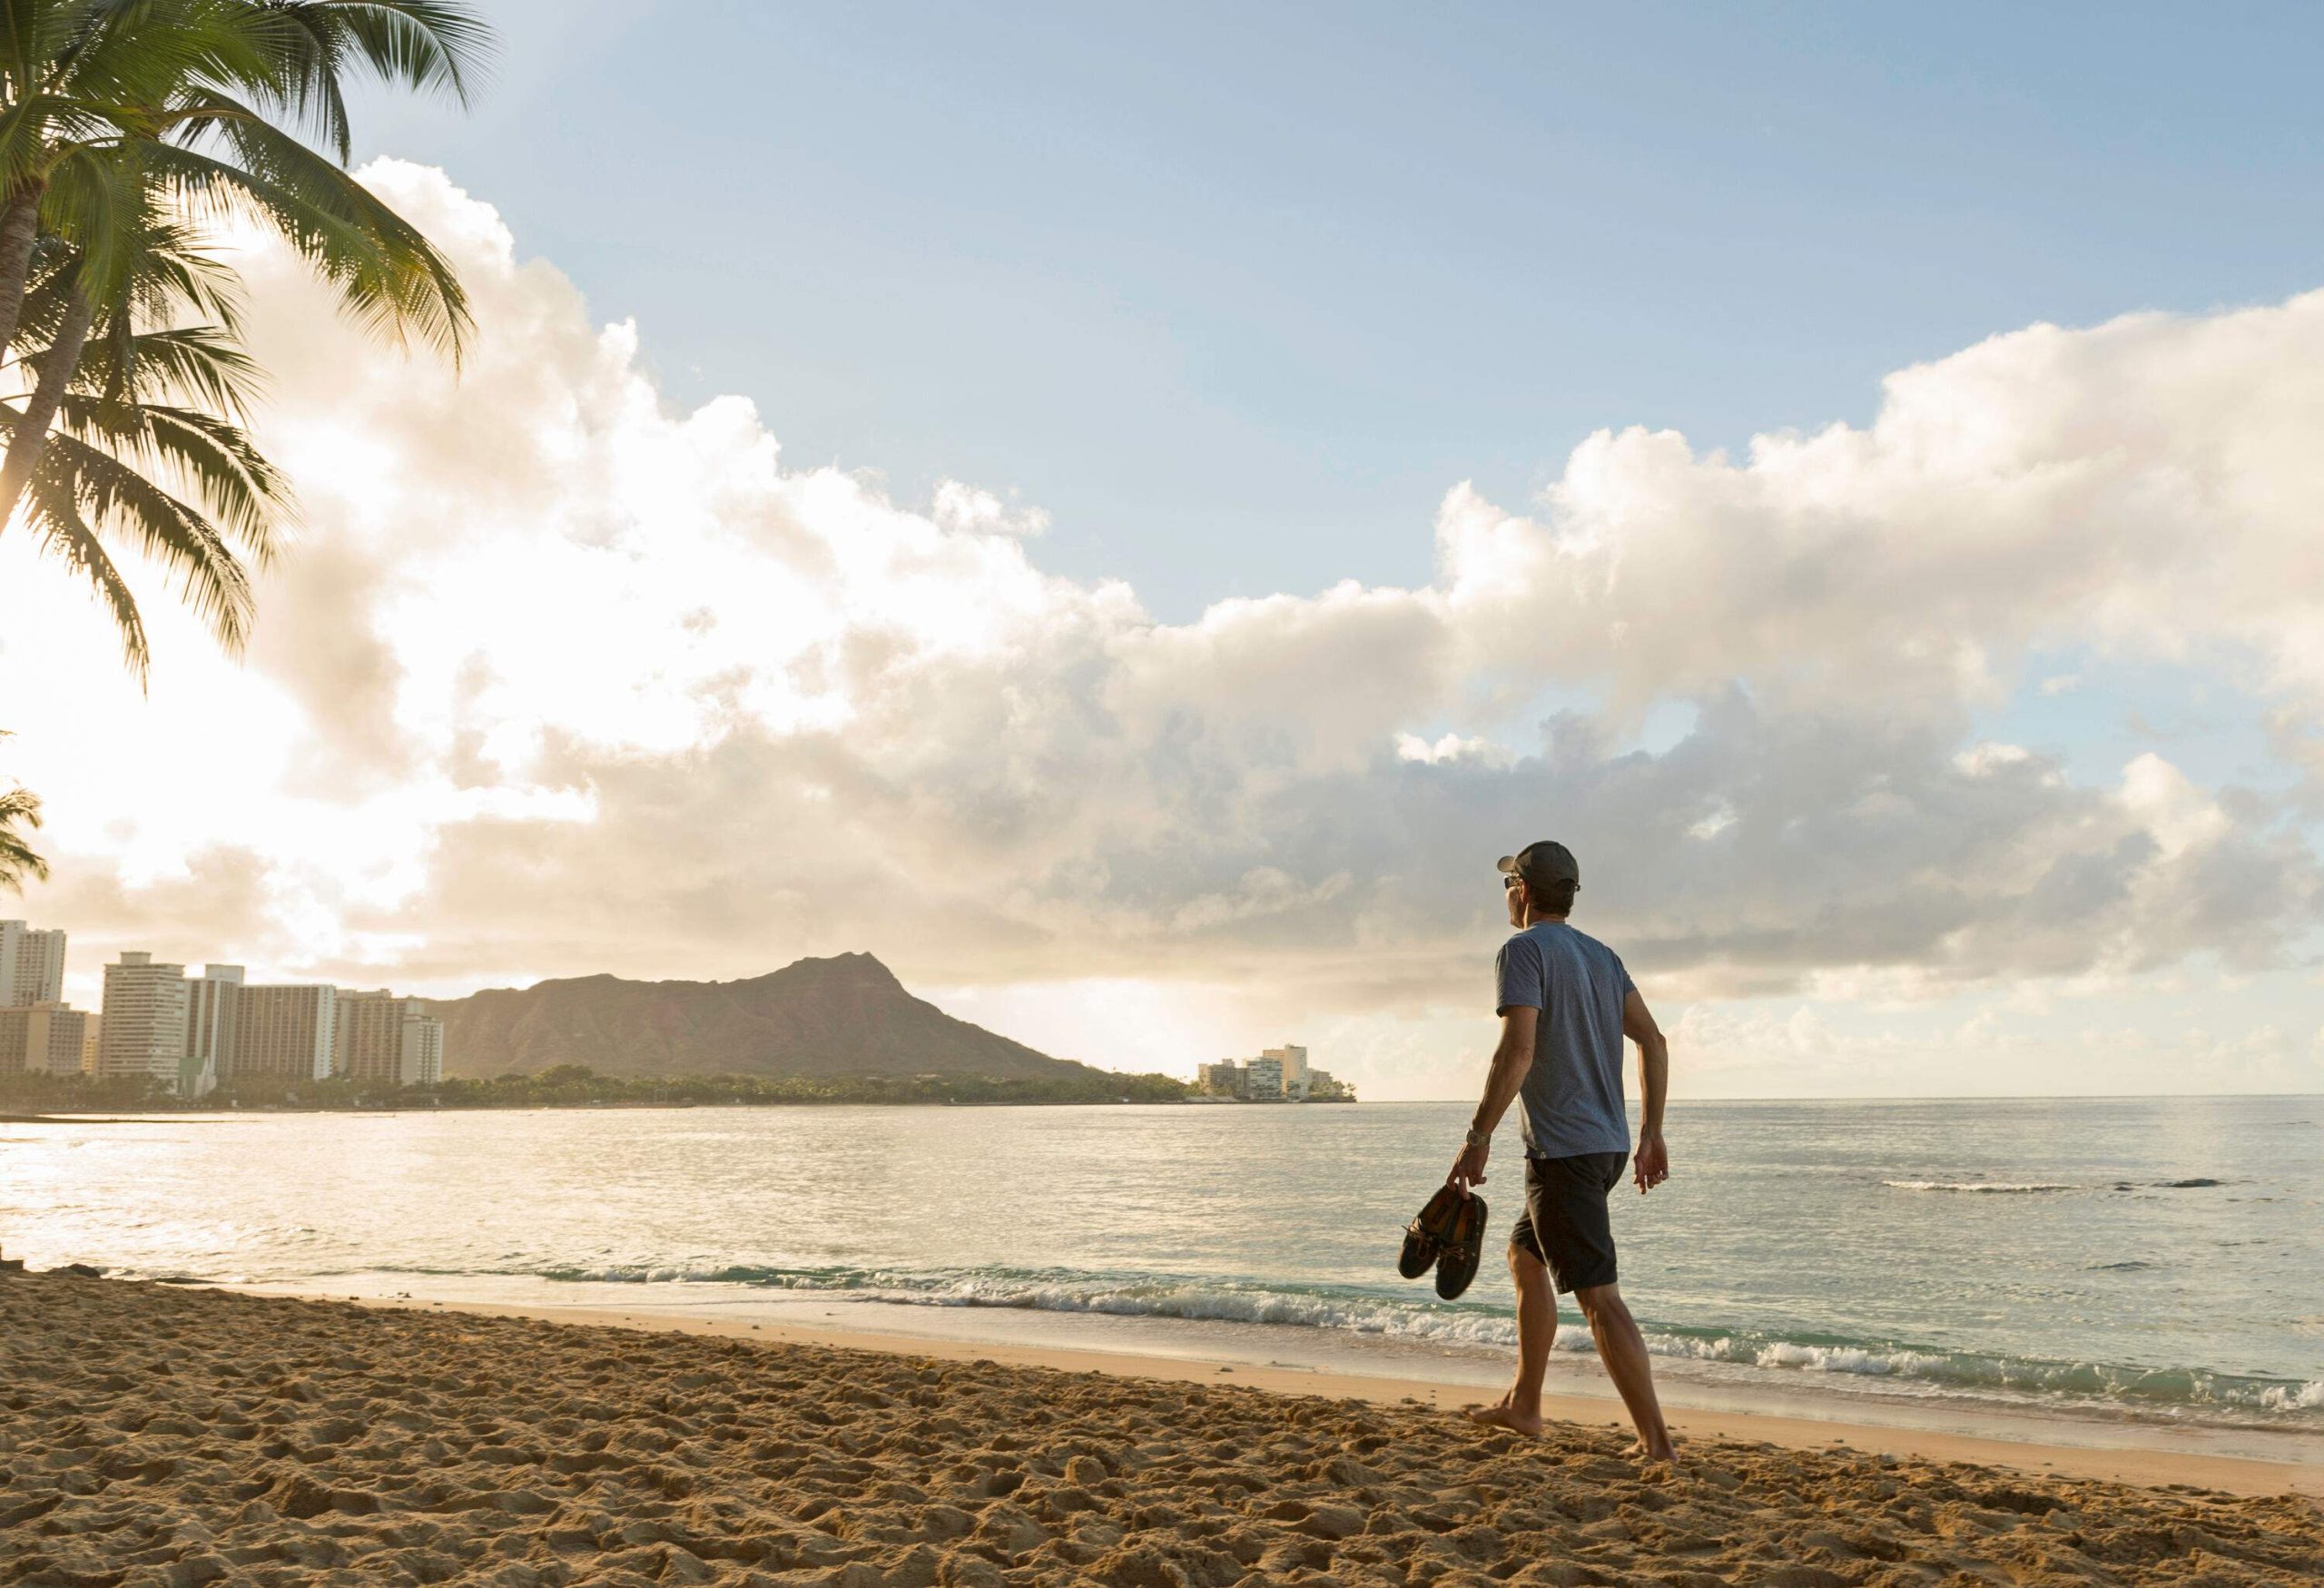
x=166, y=1435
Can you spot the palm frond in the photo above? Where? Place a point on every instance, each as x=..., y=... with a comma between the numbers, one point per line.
x=179, y=278
x=135, y=52
x=19, y=27
x=116, y=499
x=44, y=301
x=310, y=57
x=390, y=278
x=32, y=128
x=176, y=283
x=215, y=460
x=55, y=518
x=200, y=364
x=101, y=201
x=19, y=810
x=146, y=317
x=426, y=46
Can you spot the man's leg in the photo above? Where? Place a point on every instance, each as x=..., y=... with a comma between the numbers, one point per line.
x=1623, y=1349
x=1537, y=1326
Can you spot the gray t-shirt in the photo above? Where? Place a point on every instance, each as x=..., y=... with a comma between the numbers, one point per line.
x=1573, y=1094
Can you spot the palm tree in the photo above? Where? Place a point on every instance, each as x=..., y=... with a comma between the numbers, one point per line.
x=19, y=807
x=195, y=82
x=148, y=441
x=123, y=124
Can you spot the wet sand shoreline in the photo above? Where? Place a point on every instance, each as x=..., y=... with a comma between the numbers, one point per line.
x=1808, y=1411
x=2128, y=1464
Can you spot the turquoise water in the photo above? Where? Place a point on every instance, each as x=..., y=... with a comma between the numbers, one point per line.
x=2143, y=1258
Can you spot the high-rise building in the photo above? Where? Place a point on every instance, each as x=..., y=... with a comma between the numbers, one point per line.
x=422, y=1060
x=32, y=965
x=1262, y=1078
x=367, y=1036
x=284, y=1031
x=144, y=1020
x=43, y=1038
x=1223, y=1078
x=92, y=1030
x=1294, y=1061
x=212, y=1002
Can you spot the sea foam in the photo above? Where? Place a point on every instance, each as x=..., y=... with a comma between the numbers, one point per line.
x=1991, y=1188
x=2308, y=1398
x=1478, y=1324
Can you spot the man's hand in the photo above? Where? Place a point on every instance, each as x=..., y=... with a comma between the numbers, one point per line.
x=1469, y=1169
x=1651, y=1164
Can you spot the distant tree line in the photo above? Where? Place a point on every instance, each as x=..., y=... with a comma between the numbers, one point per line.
x=564, y=1084
x=578, y=1086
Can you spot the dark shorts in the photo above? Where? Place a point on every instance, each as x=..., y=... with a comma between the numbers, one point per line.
x=1565, y=1223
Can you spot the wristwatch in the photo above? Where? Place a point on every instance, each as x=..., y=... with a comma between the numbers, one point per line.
x=1477, y=1138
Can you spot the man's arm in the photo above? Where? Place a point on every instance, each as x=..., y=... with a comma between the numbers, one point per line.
x=1651, y=1165
x=1513, y=1057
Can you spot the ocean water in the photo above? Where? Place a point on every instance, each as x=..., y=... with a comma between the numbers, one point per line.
x=2148, y=1261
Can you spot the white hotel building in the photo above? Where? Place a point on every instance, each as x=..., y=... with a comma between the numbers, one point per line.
x=144, y=1027
x=32, y=965
x=421, y=1060
x=212, y=1007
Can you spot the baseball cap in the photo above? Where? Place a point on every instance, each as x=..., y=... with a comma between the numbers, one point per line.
x=1542, y=864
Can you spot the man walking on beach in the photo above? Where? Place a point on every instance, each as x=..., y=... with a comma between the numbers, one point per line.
x=1566, y=1003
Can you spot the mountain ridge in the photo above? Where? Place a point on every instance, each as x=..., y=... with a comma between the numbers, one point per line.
x=839, y=1017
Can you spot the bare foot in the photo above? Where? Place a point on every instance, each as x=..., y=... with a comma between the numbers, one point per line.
x=1637, y=1452
x=1502, y=1415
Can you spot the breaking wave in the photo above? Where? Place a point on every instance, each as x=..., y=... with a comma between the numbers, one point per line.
x=2308, y=1398
x=1907, y=1367
x=2023, y=1188
x=1991, y=1188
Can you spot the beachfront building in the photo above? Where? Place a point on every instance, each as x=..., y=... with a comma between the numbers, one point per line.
x=282, y=1031
x=212, y=1004
x=32, y=965
x=385, y=1039
x=91, y=1030
x=1294, y=1063
x=1277, y=1075
x=43, y=1039
x=422, y=1060
x=144, y=1020
x=367, y=1035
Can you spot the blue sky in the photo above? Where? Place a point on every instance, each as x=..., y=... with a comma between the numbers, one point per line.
x=1234, y=293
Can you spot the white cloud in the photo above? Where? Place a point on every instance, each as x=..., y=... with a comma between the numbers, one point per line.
x=1988, y=757
x=1451, y=747
x=559, y=680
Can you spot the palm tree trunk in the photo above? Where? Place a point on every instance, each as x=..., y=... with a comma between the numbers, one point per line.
x=57, y=363
x=19, y=228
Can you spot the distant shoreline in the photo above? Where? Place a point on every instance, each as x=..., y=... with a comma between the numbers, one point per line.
x=111, y=1114
x=64, y=1118
x=581, y=1087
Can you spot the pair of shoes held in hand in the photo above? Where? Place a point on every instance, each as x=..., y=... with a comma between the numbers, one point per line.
x=1449, y=1233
